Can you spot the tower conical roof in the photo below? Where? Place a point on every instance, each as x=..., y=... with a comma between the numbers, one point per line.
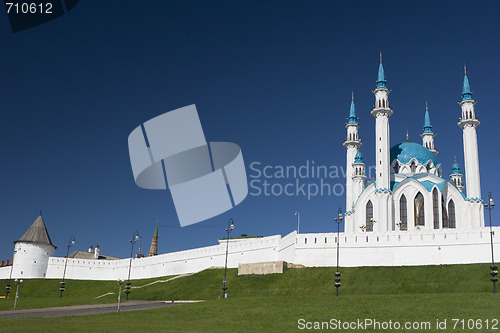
x=37, y=233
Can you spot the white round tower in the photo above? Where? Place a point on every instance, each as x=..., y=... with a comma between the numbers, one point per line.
x=32, y=252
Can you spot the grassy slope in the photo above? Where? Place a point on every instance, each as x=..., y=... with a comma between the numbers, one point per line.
x=275, y=302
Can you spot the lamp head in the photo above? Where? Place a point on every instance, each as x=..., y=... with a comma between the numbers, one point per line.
x=492, y=203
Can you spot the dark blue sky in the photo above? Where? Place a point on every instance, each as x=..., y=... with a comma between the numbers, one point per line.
x=275, y=77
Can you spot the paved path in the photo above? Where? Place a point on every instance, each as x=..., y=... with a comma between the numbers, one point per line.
x=81, y=310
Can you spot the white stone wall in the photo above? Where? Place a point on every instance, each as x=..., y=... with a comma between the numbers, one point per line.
x=397, y=249
x=4, y=272
x=189, y=261
x=425, y=247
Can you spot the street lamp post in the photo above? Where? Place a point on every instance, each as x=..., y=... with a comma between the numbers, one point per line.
x=338, y=220
x=7, y=289
x=120, y=282
x=135, y=237
x=18, y=282
x=71, y=241
x=494, y=268
x=230, y=227
x=298, y=221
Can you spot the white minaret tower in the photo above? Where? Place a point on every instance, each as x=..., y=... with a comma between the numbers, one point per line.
x=352, y=144
x=428, y=135
x=382, y=112
x=468, y=123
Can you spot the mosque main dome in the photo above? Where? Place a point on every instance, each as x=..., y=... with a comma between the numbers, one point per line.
x=406, y=151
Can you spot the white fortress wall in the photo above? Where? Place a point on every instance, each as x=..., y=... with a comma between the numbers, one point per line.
x=286, y=248
x=5, y=272
x=392, y=249
x=446, y=246
x=189, y=261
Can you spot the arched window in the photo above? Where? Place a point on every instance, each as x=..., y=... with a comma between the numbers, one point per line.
x=451, y=214
x=396, y=167
x=369, y=216
x=413, y=166
x=403, y=213
x=419, y=209
x=445, y=213
x=435, y=208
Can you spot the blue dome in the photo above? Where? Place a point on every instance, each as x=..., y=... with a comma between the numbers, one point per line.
x=358, y=158
x=455, y=169
x=405, y=151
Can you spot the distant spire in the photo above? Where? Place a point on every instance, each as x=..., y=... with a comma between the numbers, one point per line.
x=153, y=251
x=381, y=82
x=352, y=99
x=427, y=120
x=466, y=93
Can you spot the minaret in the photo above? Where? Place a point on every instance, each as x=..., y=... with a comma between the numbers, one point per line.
x=382, y=112
x=153, y=251
x=352, y=144
x=358, y=176
x=468, y=123
x=427, y=135
x=456, y=176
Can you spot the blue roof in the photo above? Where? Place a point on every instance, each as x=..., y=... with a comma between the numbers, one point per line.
x=405, y=151
x=381, y=82
x=455, y=169
x=358, y=158
x=466, y=93
x=427, y=123
x=352, y=114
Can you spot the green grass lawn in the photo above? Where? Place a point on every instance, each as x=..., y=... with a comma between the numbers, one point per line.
x=275, y=303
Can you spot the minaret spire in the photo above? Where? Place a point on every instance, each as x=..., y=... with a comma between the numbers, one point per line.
x=428, y=135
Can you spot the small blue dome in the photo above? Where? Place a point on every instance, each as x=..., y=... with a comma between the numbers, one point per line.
x=455, y=169
x=405, y=151
x=358, y=158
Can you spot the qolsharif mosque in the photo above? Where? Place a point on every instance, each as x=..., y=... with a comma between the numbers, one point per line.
x=410, y=214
